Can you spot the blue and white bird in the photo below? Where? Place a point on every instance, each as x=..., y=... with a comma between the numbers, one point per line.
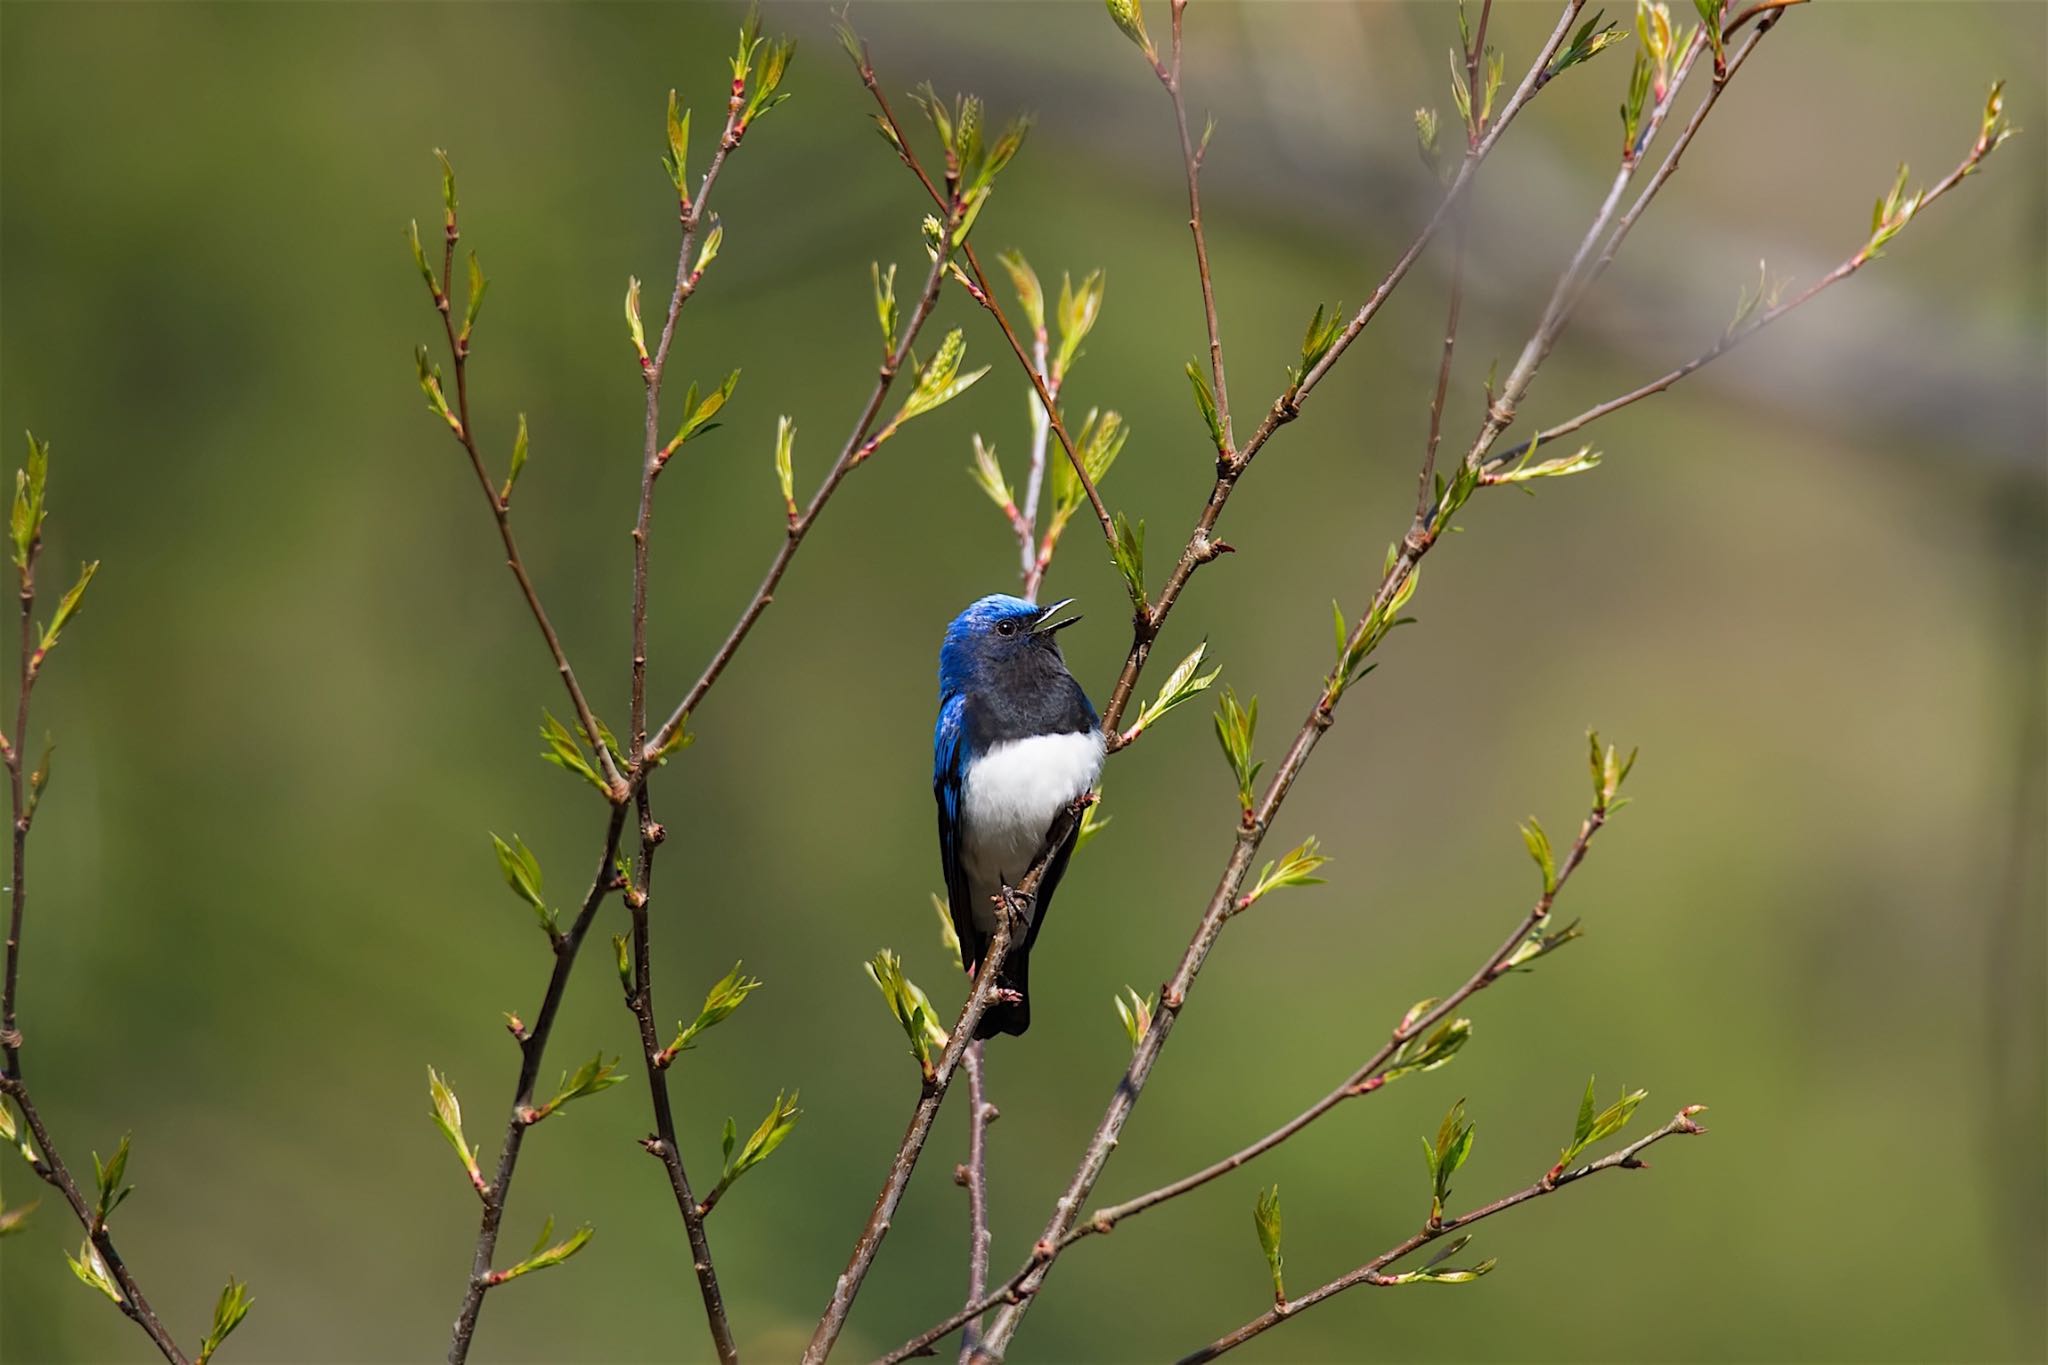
x=1016, y=741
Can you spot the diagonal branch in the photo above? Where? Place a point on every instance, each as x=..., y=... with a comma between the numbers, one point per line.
x=533, y=1043
x=49, y=1166
x=856, y=449
x=1191, y=155
x=1367, y=1078
x=869, y=1244
x=664, y=1144
x=1628, y=1158
x=1736, y=335
x=501, y=512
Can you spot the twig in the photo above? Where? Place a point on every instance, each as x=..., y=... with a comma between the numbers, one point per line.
x=533, y=1043
x=664, y=1144
x=1365, y=1080
x=501, y=512
x=1735, y=336
x=1321, y=715
x=1628, y=1158
x=49, y=1166
x=641, y=999
x=1191, y=155
x=985, y=295
x=1202, y=546
x=869, y=1244
x=850, y=455
x=974, y=1175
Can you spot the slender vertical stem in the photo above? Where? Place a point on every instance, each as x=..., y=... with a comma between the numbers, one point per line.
x=974, y=1175
x=49, y=1165
x=533, y=1041
x=1191, y=155
x=869, y=1244
x=664, y=1144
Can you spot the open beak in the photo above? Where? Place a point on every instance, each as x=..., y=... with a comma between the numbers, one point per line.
x=1046, y=625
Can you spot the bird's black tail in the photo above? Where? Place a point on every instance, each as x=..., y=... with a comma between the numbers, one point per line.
x=1010, y=1011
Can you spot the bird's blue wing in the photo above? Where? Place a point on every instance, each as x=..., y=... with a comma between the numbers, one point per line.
x=949, y=775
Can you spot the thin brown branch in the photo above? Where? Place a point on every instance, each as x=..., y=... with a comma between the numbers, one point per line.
x=533, y=1041
x=1372, y=1272
x=49, y=1165
x=856, y=449
x=1366, y=1079
x=1191, y=156
x=664, y=1144
x=985, y=295
x=973, y=1174
x=1736, y=335
x=691, y=213
x=1252, y=832
x=1202, y=546
x=501, y=512
x=654, y=457
x=933, y=1094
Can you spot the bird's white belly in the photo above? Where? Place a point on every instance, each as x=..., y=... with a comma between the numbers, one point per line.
x=1011, y=794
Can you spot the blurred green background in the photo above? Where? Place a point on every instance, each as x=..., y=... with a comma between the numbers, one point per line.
x=1808, y=583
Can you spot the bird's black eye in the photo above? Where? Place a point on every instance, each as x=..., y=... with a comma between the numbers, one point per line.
x=1006, y=627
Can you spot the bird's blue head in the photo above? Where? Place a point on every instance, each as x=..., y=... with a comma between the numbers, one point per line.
x=999, y=637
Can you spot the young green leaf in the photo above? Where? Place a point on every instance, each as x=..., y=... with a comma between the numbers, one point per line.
x=108, y=1176
x=1323, y=329
x=785, y=463
x=707, y=253
x=1129, y=15
x=518, y=462
x=1595, y=1126
x=1206, y=401
x=430, y=385
x=1136, y=1012
x=699, y=412
x=949, y=937
x=1093, y=822
x=987, y=474
x=724, y=997
x=1077, y=313
x=1610, y=770
x=633, y=327
x=1266, y=1220
x=1539, y=850
x=419, y=258
x=228, y=1311
x=1295, y=868
x=624, y=961
x=545, y=1257
x=778, y=1125
x=1186, y=680
x=1453, y=1144
x=92, y=1270
x=1030, y=296
x=885, y=303
x=1128, y=553
x=564, y=753
x=593, y=1076
x=766, y=92
x=910, y=1005
x=1236, y=725
x=1427, y=1052
x=68, y=607
x=1523, y=472
x=448, y=1118
x=16, y=1219
x=26, y=523
x=1592, y=38
x=448, y=201
x=470, y=309
x=1541, y=943
x=938, y=382
x=39, y=778
x=678, y=158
